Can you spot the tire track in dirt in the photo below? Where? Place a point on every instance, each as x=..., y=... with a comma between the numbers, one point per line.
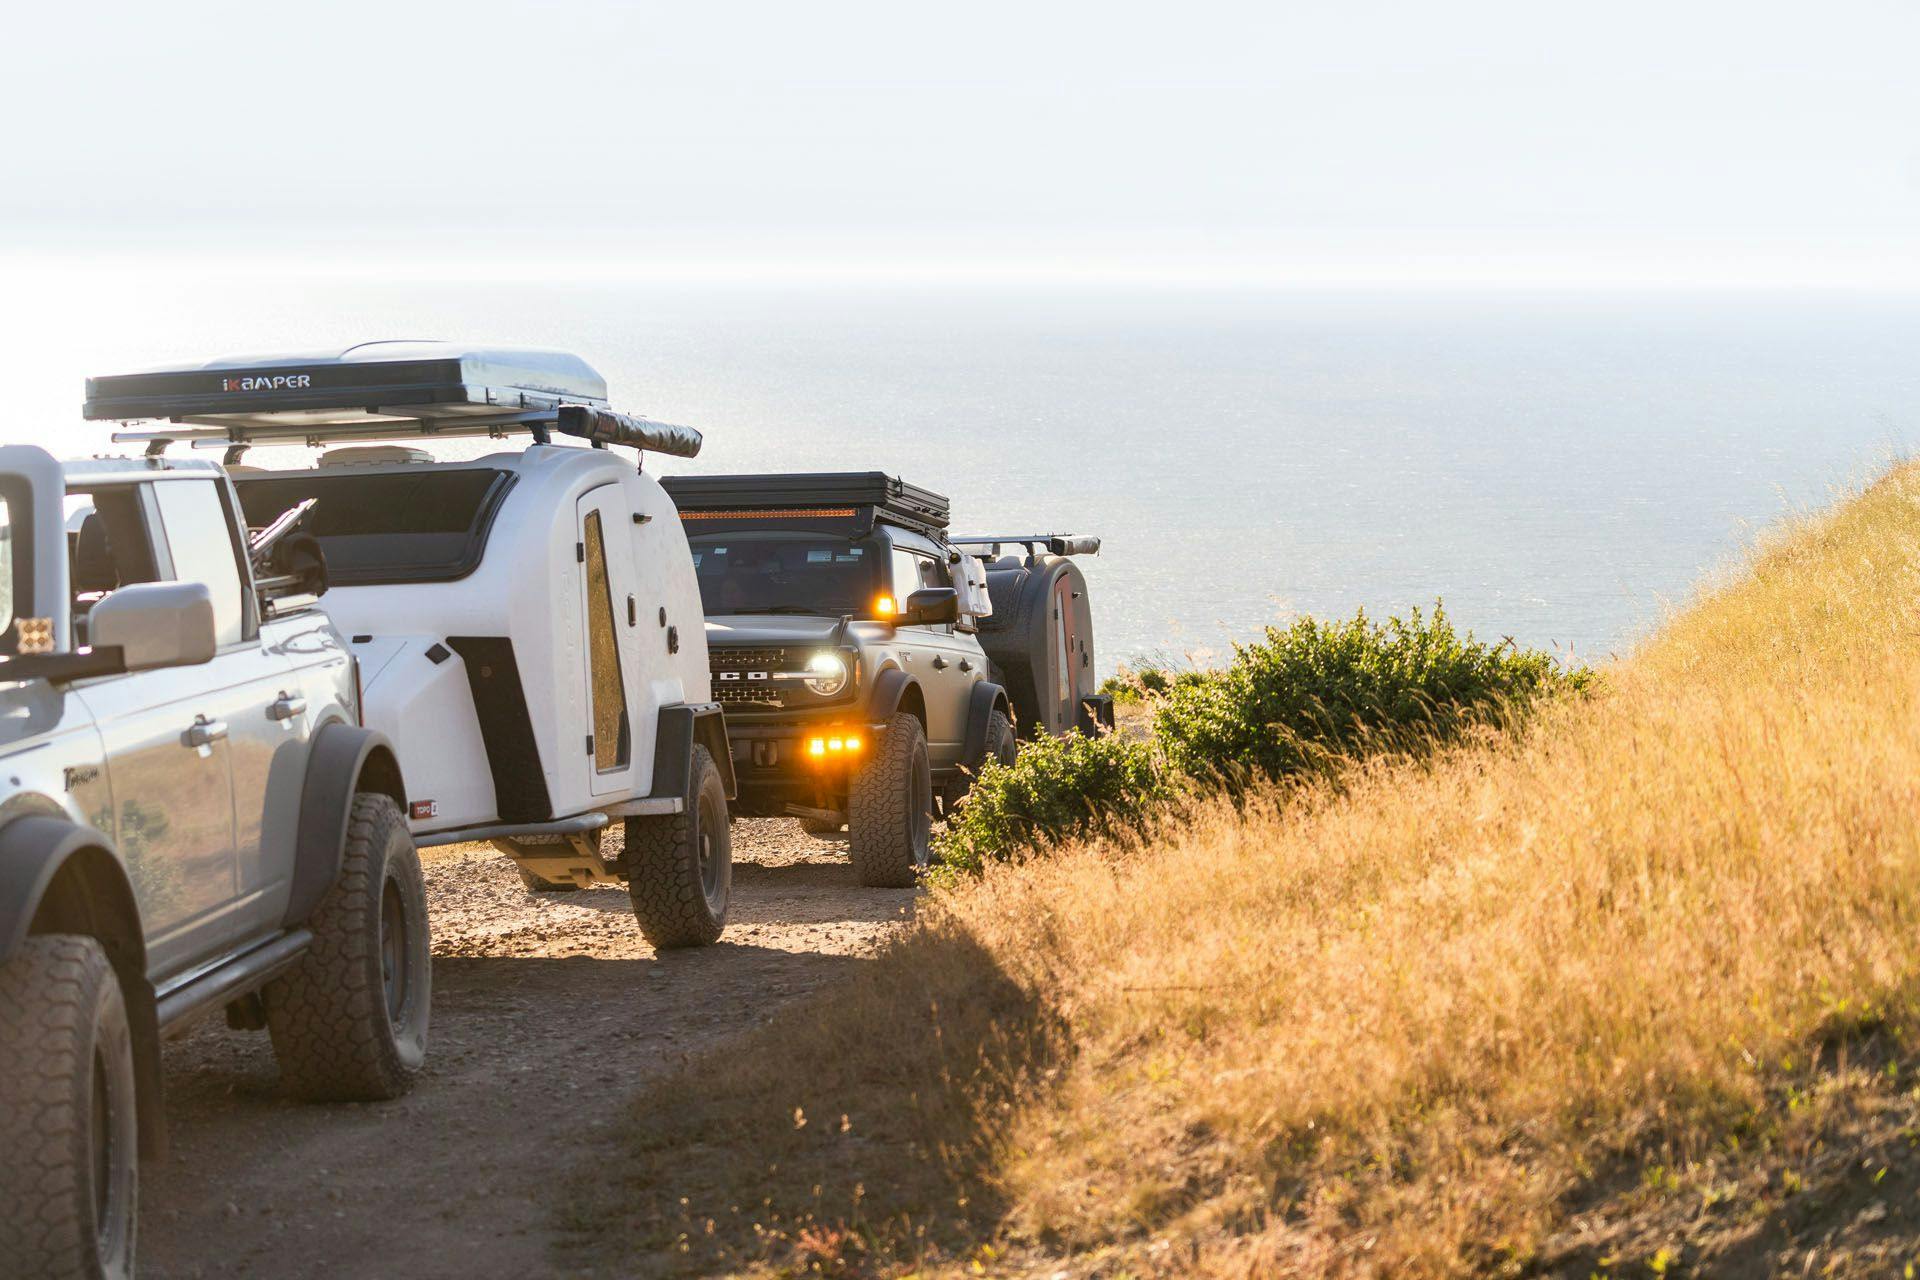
x=549, y=1011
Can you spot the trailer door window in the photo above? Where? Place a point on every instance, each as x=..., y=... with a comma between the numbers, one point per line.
x=611, y=733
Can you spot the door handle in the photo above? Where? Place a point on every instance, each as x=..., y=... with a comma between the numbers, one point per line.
x=966, y=664
x=205, y=732
x=939, y=663
x=286, y=707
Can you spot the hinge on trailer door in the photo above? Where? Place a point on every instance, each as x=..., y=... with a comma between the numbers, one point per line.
x=579, y=553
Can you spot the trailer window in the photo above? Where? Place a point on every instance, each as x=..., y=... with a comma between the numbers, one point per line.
x=610, y=733
x=429, y=525
x=777, y=572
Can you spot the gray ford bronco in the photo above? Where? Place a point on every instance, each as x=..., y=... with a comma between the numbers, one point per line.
x=191, y=819
x=869, y=664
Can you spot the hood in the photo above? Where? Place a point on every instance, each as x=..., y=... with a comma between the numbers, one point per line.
x=770, y=629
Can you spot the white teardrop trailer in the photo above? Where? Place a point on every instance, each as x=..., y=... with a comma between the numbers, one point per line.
x=527, y=625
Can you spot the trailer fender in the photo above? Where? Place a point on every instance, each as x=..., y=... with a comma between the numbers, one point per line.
x=681, y=726
x=344, y=759
x=895, y=690
x=985, y=699
x=57, y=876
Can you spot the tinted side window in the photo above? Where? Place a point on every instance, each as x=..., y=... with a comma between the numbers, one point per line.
x=913, y=570
x=200, y=538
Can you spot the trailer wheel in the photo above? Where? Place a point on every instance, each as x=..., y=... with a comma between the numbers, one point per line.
x=349, y=1022
x=680, y=866
x=890, y=808
x=822, y=826
x=70, y=1178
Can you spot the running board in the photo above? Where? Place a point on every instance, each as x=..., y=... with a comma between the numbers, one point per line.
x=248, y=971
x=580, y=824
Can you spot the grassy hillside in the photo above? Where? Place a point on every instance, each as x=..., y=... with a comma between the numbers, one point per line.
x=1636, y=992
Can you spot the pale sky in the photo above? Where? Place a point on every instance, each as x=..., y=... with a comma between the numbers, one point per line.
x=1750, y=142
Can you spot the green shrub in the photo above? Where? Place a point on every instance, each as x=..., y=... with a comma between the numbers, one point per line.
x=1056, y=789
x=1132, y=685
x=1316, y=692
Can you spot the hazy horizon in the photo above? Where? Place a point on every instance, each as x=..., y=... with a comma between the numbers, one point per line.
x=1491, y=144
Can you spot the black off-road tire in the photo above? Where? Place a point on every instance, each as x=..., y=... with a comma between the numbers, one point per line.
x=349, y=1022
x=890, y=808
x=822, y=826
x=69, y=1172
x=680, y=866
x=1002, y=745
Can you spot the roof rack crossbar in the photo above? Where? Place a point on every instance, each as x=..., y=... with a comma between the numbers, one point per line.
x=1058, y=544
x=596, y=426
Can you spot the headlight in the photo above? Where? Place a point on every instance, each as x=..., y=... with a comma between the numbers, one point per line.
x=826, y=674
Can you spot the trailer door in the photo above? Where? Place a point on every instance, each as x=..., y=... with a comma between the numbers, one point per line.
x=606, y=563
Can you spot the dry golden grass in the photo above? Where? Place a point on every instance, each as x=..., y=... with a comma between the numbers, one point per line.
x=1631, y=982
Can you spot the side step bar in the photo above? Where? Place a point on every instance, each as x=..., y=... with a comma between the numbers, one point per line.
x=580, y=824
x=245, y=972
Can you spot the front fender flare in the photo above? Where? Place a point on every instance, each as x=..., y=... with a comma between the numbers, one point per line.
x=890, y=689
x=344, y=759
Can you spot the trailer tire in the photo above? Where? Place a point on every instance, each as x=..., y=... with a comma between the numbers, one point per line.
x=890, y=808
x=680, y=866
x=349, y=1021
x=69, y=1181
x=823, y=826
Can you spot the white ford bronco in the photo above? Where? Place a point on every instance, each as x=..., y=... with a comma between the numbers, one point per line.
x=192, y=818
x=868, y=663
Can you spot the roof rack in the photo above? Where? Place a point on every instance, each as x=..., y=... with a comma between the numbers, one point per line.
x=376, y=391
x=810, y=495
x=1058, y=544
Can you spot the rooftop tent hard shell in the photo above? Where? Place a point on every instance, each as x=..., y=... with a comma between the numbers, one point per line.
x=378, y=390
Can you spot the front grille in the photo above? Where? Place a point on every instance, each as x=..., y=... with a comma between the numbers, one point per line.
x=769, y=659
x=734, y=695
x=741, y=676
x=744, y=677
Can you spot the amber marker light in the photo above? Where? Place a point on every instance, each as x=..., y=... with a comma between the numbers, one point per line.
x=816, y=746
x=884, y=607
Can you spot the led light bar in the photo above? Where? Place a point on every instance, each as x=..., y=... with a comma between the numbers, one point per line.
x=774, y=513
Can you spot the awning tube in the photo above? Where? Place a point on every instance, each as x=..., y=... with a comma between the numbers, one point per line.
x=605, y=426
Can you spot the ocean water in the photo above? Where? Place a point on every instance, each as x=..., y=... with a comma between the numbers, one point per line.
x=1560, y=470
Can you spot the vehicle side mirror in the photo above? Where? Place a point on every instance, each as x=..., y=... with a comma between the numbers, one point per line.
x=930, y=606
x=155, y=624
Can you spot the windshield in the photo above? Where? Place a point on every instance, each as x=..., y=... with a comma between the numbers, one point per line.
x=775, y=572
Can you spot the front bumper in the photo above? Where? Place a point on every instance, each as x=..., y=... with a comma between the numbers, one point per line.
x=798, y=760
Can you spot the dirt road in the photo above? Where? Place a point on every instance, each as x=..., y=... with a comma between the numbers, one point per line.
x=548, y=1012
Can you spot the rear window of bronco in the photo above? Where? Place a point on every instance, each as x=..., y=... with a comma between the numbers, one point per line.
x=386, y=527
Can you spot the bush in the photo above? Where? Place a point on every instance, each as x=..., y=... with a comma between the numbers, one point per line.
x=1132, y=685
x=1057, y=788
x=1315, y=693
